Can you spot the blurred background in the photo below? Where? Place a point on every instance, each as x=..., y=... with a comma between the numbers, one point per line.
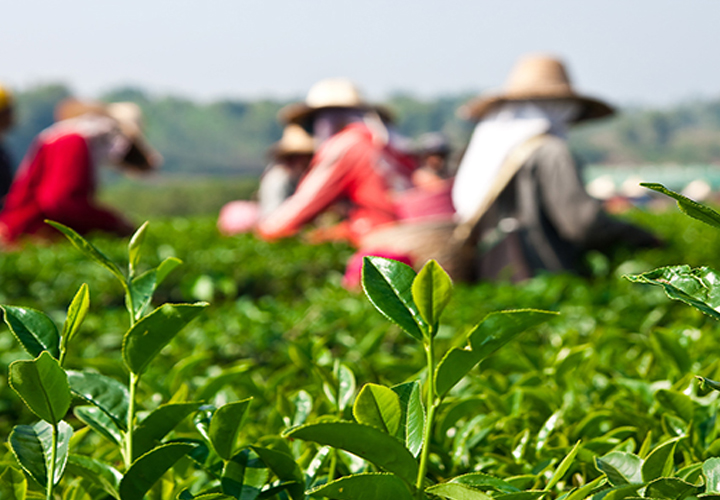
x=211, y=77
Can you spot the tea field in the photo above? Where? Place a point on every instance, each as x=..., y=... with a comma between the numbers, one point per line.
x=283, y=381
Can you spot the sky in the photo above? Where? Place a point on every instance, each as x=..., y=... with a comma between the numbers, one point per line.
x=636, y=52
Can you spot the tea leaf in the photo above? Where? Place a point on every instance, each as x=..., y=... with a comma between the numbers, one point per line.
x=457, y=491
x=621, y=468
x=482, y=481
x=711, y=469
x=493, y=332
x=147, y=469
x=153, y=332
x=563, y=467
x=521, y=495
x=346, y=385
x=286, y=469
x=99, y=422
x=75, y=316
x=88, y=249
x=659, y=463
x=431, y=291
x=706, y=382
x=165, y=268
x=134, y=248
x=13, y=485
x=225, y=426
x=33, y=329
x=680, y=404
x=43, y=386
x=687, y=206
x=106, y=393
x=364, y=441
x=366, y=486
x=696, y=287
x=32, y=446
x=142, y=289
x=388, y=285
x=159, y=423
x=244, y=475
x=671, y=488
x=412, y=420
x=102, y=474
x=378, y=406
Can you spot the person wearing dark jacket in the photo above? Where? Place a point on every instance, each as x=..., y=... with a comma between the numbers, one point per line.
x=518, y=186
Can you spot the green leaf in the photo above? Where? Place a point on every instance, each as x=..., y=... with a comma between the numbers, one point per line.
x=431, y=291
x=43, y=386
x=482, y=481
x=33, y=329
x=585, y=490
x=32, y=446
x=134, y=248
x=98, y=420
x=102, y=474
x=346, y=385
x=303, y=406
x=225, y=426
x=706, y=382
x=388, y=285
x=696, y=287
x=563, y=467
x=165, y=268
x=147, y=469
x=142, y=289
x=493, y=332
x=88, y=249
x=711, y=470
x=681, y=405
x=13, y=485
x=106, y=393
x=687, y=206
x=659, y=463
x=75, y=316
x=671, y=488
x=286, y=470
x=367, y=486
x=457, y=491
x=153, y=332
x=521, y=495
x=378, y=406
x=244, y=475
x=621, y=468
x=412, y=420
x=159, y=423
x=364, y=441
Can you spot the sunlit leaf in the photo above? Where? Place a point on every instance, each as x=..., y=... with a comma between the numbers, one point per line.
x=13, y=485
x=687, y=206
x=32, y=446
x=367, y=486
x=412, y=421
x=43, y=386
x=109, y=395
x=378, y=406
x=225, y=426
x=286, y=469
x=431, y=292
x=659, y=463
x=99, y=421
x=711, y=470
x=134, y=248
x=244, y=475
x=621, y=468
x=102, y=474
x=563, y=467
x=388, y=285
x=457, y=491
x=33, y=329
x=75, y=316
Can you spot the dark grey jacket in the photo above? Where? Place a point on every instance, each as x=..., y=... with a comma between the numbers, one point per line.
x=544, y=219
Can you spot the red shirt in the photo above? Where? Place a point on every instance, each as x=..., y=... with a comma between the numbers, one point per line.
x=56, y=181
x=350, y=165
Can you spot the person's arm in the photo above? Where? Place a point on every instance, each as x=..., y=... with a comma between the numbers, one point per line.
x=577, y=216
x=67, y=186
x=324, y=183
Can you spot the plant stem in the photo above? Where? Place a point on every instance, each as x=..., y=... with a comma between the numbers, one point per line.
x=431, y=405
x=134, y=379
x=53, y=458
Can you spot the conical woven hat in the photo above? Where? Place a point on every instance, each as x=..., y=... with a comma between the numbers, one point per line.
x=329, y=93
x=536, y=77
x=294, y=141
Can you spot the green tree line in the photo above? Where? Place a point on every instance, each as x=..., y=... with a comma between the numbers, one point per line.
x=228, y=137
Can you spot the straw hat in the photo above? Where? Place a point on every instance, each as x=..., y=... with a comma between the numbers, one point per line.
x=129, y=119
x=329, y=93
x=536, y=77
x=6, y=98
x=294, y=141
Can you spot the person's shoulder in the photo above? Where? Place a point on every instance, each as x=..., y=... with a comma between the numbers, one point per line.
x=65, y=139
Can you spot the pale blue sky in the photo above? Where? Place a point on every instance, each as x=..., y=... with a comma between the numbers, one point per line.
x=627, y=51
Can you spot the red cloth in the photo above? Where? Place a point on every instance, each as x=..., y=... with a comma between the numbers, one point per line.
x=351, y=165
x=56, y=181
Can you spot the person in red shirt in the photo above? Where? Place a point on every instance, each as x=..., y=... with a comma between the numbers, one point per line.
x=354, y=162
x=57, y=178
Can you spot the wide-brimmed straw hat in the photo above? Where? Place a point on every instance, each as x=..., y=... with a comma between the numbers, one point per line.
x=128, y=116
x=329, y=93
x=294, y=141
x=536, y=77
